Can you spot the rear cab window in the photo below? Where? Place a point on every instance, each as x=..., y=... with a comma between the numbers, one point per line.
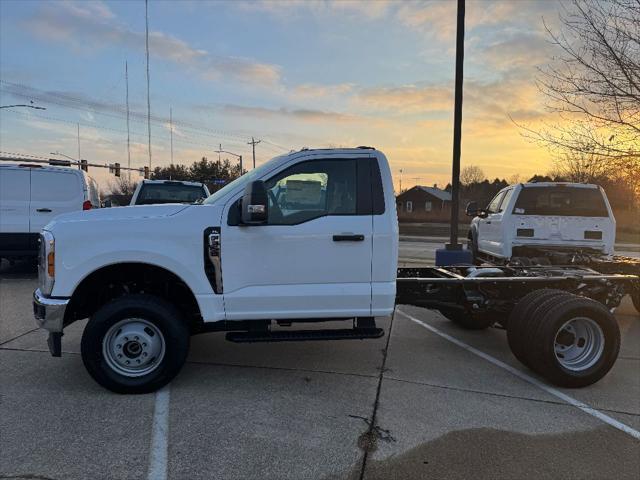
x=170, y=192
x=561, y=201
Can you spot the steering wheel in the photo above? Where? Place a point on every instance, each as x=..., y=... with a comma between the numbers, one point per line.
x=275, y=211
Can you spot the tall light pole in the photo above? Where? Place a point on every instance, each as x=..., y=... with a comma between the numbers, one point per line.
x=457, y=130
x=453, y=254
x=146, y=20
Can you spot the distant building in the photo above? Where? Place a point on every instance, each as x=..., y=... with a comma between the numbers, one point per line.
x=424, y=204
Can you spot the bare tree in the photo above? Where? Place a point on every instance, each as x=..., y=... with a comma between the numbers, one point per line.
x=122, y=186
x=593, y=88
x=471, y=174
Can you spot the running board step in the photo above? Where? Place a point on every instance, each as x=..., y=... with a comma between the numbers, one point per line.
x=304, y=335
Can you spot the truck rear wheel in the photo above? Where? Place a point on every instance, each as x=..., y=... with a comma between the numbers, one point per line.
x=135, y=344
x=575, y=343
x=520, y=317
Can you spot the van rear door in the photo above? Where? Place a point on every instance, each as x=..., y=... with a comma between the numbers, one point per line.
x=14, y=210
x=53, y=193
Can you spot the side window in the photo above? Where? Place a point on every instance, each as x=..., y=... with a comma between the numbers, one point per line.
x=495, y=203
x=505, y=200
x=427, y=206
x=409, y=206
x=311, y=190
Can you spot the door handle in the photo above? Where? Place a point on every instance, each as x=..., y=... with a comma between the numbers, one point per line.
x=348, y=238
x=44, y=210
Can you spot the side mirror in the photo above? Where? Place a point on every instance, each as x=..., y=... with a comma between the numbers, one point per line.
x=255, y=204
x=472, y=209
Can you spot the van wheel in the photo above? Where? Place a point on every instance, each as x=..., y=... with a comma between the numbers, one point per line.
x=135, y=344
x=576, y=343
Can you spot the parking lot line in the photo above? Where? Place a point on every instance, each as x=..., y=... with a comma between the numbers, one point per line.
x=529, y=379
x=159, y=436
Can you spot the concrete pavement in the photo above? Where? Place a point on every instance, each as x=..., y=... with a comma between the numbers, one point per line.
x=304, y=410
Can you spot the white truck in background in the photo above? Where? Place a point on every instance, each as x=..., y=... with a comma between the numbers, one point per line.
x=530, y=220
x=153, y=192
x=308, y=237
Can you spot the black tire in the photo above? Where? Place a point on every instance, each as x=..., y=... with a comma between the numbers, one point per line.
x=469, y=321
x=542, y=354
x=163, y=317
x=519, y=318
x=473, y=246
x=635, y=298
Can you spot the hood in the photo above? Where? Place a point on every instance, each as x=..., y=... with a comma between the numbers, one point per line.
x=118, y=213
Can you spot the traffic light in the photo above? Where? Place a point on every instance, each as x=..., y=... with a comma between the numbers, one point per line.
x=146, y=172
x=116, y=169
x=84, y=165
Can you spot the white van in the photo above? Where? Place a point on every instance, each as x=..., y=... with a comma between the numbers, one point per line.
x=31, y=195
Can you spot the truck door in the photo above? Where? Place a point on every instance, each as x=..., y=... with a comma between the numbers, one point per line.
x=313, y=257
x=14, y=209
x=489, y=227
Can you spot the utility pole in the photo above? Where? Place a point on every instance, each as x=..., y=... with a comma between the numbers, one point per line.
x=253, y=143
x=400, y=182
x=79, y=145
x=171, y=129
x=219, y=151
x=146, y=20
x=126, y=81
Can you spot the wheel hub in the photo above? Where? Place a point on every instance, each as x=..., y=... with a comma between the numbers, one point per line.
x=133, y=347
x=579, y=344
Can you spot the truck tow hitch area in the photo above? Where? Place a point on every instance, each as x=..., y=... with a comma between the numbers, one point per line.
x=559, y=320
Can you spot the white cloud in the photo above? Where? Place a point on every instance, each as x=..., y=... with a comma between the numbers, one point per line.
x=91, y=26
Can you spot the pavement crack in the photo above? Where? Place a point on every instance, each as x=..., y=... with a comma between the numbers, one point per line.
x=368, y=441
x=26, y=476
x=19, y=336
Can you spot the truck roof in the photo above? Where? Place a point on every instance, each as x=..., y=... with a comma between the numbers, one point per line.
x=183, y=182
x=559, y=184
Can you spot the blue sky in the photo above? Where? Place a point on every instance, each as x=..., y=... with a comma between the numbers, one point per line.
x=294, y=73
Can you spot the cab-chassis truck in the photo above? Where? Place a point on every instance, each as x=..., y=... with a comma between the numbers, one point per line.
x=307, y=237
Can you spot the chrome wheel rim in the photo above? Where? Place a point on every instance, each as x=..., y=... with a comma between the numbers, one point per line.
x=579, y=344
x=133, y=347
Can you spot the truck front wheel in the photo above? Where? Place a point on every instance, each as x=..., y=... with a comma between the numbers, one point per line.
x=135, y=344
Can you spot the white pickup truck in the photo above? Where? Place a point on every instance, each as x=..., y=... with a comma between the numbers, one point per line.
x=307, y=237
x=526, y=219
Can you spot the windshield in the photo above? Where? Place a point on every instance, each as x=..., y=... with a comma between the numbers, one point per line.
x=562, y=201
x=248, y=177
x=169, y=193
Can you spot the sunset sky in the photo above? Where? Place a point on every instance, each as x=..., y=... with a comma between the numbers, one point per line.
x=294, y=74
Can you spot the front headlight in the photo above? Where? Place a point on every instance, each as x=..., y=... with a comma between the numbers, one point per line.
x=46, y=263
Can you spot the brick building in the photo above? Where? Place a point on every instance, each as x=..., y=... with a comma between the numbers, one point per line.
x=424, y=204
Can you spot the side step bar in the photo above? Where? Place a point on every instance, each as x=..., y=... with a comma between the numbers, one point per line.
x=304, y=335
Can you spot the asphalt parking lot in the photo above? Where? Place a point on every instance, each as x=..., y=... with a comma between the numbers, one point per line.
x=427, y=400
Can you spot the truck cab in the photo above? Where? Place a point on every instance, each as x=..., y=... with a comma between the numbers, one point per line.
x=528, y=219
x=306, y=237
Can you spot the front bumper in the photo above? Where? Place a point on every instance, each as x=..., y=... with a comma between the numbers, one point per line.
x=49, y=314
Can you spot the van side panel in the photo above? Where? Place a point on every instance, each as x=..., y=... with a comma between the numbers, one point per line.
x=14, y=211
